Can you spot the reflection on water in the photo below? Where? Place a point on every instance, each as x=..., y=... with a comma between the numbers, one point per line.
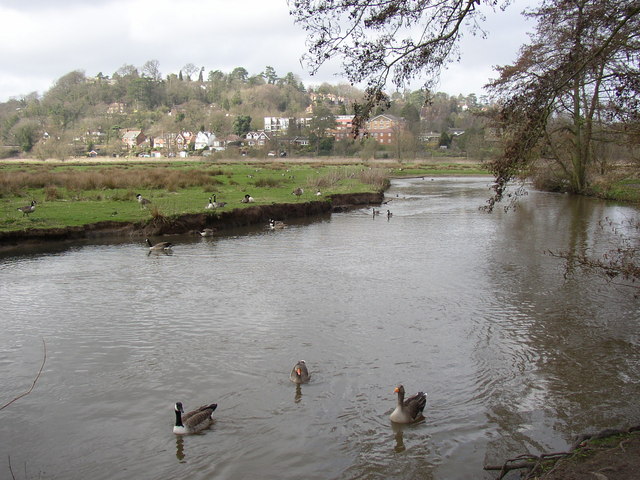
x=298, y=396
x=180, y=448
x=440, y=297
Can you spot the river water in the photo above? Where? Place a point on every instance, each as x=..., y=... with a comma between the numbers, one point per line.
x=441, y=297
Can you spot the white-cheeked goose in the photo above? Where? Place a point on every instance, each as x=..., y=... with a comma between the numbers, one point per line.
x=216, y=203
x=194, y=421
x=27, y=209
x=159, y=246
x=143, y=201
x=276, y=224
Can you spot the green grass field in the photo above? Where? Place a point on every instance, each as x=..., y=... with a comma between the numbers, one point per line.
x=79, y=194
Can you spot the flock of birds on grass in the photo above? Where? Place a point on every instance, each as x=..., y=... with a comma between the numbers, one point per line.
x=407, y=410
x=214, y=204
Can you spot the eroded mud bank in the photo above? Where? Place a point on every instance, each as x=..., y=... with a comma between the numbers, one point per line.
x=220, y=220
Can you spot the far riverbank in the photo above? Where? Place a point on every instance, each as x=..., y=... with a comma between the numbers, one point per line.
x=192, y=222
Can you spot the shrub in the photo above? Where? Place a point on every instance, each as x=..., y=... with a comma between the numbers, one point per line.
x=268, y=182
x=51, y=193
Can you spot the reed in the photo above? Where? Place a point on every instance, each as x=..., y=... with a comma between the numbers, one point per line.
x=377, y=177
x=172, y=179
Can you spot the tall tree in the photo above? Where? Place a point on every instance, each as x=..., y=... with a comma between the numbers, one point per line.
x=321, y=122
x=270, y=74
x=239, y=75
x=189, y=69
x=151, y=69
x=555, y=94
x=242, y=125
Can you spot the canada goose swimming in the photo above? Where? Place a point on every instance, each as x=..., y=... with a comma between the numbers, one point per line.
x=194, y=421
x=143, y=201
x=276, y=224
x=247, y=199
x=27, y=209
x=375, y=212
x=159, y=246
x=409, y=410
x=207, y=232
x=298, y=191
x=211, y=205
x=389, y=214
x=299, y=374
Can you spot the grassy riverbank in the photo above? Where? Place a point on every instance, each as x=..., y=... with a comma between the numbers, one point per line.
x=76, y=193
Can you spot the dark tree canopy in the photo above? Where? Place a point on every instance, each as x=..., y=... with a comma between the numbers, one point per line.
x=386, y=40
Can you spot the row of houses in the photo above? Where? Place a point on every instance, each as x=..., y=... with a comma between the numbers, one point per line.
x=384, y=128
x=177, y=141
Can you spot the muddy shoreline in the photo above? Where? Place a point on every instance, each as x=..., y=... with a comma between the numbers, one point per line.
x=220, y=220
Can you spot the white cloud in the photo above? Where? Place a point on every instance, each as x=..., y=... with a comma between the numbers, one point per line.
x=40, y=41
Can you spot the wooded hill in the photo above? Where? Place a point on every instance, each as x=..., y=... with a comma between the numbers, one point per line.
x=80, y=113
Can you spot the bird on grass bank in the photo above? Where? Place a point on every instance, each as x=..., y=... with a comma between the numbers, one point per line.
x=210, y=205
x=27, y=209
x=409, y=410
x=194, y=421
x=217, y=204
x=159, y=247
x=143, y=201
x=300, y=373
x=247, y=199
x=297, y=192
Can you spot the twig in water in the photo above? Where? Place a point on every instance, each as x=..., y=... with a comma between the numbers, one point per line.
x=11, y=469
x=44, y=359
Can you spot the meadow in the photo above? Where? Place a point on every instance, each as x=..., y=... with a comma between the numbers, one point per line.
x=74, y=194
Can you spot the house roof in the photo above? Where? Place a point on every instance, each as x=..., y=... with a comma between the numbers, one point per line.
x=131, y=134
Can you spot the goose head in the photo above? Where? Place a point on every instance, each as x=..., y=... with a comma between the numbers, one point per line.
x=300, y=373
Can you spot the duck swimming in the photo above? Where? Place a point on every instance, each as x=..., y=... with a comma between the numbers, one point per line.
x=409, y=410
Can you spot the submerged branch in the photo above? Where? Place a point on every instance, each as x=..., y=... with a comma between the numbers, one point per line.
x=44, y=359
x=529, y=462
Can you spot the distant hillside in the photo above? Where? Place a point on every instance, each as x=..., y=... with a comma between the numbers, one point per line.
x=80, y=114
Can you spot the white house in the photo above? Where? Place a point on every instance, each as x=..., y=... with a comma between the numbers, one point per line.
x=281, y=124
x=276, y=124
x=204, y=140
x=259, y=138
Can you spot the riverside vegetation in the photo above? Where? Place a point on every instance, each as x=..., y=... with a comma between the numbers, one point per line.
x=76, y=194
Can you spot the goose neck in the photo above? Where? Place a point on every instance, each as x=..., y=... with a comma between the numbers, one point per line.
x=179, y=419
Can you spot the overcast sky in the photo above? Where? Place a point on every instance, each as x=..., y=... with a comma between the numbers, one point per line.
x=42, y=40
